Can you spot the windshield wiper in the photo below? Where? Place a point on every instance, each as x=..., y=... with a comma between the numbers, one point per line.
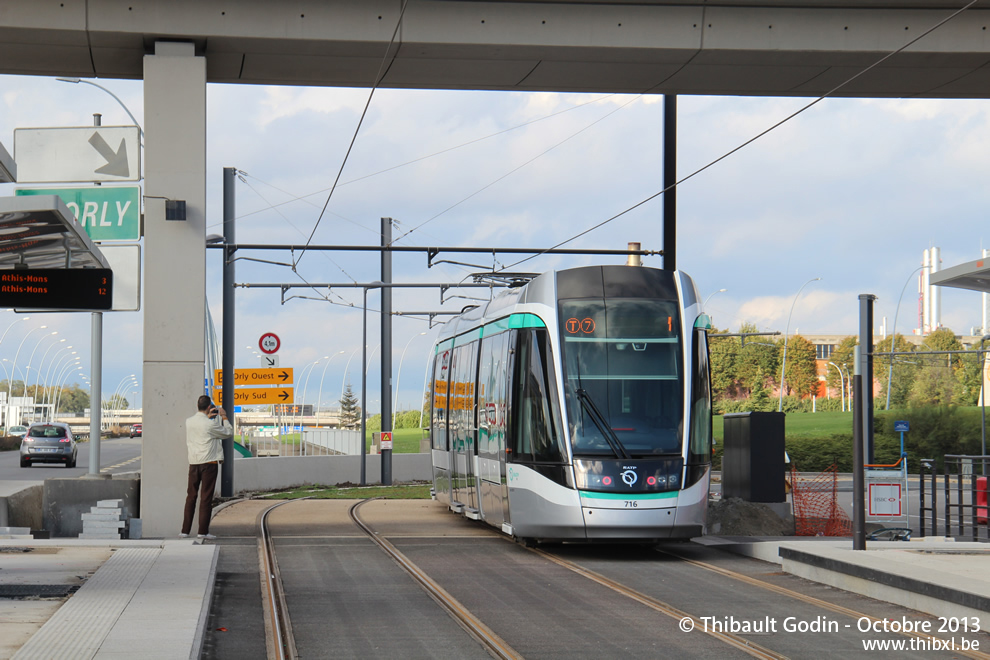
x=600, y=421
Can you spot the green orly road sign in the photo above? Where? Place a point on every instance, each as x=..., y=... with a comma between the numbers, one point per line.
x=106, y=213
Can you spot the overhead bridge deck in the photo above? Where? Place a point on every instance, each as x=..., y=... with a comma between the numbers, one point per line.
x=744, y=47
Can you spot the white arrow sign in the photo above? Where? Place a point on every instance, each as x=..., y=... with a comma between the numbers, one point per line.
x=64, y=155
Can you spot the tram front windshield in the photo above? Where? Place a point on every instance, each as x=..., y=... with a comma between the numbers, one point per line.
x=622, y=376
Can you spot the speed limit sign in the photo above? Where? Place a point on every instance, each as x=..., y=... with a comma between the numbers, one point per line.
x=269, y=343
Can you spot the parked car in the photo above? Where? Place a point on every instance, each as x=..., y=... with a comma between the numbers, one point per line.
x=49, y=443
x=17, y=431
x=136, y=430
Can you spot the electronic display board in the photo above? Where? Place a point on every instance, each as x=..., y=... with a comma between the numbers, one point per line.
x=57, y=288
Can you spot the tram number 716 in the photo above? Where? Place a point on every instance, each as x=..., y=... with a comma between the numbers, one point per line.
x=631, y=503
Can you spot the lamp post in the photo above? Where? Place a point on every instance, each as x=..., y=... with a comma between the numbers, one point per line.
x=121, y=103
x=50, y=388
x=343, y=380
x=26, y=318
x=319, y=398
x=27, y=369
x=57, y=395
x=893, y=335
x=983, y=405
x=48, y=373
x=10, y=384
x=398, y=375
x=370, y=357
x=10, y=380
x=306, y=386
x=787, y=330
x=842, y=386
x=58, y=399
x=705, y=304
x=41, y=365
x=114, y=399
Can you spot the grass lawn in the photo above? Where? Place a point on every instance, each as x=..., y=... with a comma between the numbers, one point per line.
x=804, y=425
x=397, y=492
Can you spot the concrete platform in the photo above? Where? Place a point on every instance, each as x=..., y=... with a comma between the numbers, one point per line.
x=934, y=575
x=144, y=599
x=151, y=598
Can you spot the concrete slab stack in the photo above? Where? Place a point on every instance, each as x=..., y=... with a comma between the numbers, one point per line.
x=106, y=520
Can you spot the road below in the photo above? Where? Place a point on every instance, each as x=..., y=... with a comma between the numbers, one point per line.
x=116, y=455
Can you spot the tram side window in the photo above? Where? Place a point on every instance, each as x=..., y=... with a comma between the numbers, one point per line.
x=441, y=379
x=536, y=419
x=462, y=400
x=491, y=393
x=700, y=447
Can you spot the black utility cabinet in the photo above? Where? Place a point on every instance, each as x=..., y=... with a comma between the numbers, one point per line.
x=753, y=456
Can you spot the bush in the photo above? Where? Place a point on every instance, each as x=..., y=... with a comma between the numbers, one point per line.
x=9, y=443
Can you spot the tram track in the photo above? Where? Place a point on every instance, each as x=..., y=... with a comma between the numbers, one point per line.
x=460, y=611
x=279, y=622
x=733, y=640
x=283, y=643
x=811, y=600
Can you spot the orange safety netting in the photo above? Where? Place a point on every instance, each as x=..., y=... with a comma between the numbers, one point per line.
x=816, y=506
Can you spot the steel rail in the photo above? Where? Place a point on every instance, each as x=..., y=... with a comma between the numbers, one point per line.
x=811, y=600
x=494, y=644
x=284, y=643
x=731, y=639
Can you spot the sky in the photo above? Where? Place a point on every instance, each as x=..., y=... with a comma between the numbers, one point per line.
x=851, y=191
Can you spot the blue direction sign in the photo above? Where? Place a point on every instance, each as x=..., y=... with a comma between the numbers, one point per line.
x=902, y=426
x=106, y=213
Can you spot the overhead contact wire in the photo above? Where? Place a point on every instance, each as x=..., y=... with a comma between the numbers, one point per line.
x=357, y=129
x=750, y=141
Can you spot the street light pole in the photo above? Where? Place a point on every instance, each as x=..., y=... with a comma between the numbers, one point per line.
x=842, y=386
x=320, y=396
x=893, y=334
x=27, y=369
x=121, y=103
x=398, y=375
x=783, y=363
x=10, y=381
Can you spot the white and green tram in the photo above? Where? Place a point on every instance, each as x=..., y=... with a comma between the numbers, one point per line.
x=577, y=407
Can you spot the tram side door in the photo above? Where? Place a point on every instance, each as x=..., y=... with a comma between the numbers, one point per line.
x=504, y=397
x=463, y=427
x=440, y=436
x=491, y=427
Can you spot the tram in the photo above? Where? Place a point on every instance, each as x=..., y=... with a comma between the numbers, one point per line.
x=577, y=407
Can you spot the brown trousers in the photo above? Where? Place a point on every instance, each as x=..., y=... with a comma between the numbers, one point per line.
x=202, y=480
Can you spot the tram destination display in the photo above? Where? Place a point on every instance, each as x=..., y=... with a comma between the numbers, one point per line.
x=57, y=288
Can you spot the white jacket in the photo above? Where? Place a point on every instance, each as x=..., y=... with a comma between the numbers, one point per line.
x=203, y=436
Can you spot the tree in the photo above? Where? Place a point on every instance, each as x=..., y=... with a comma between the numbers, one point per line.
x=801, y=376
x=758, y=361
x=940, y=379
x=116, y=402
x=350, y=409
x=905, y=369
x=934, y=386
x=72, y=399
x=724, y=356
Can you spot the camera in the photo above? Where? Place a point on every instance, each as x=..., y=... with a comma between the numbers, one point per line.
x=212, y=412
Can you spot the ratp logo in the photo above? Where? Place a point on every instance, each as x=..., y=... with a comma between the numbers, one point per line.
x=629, y=477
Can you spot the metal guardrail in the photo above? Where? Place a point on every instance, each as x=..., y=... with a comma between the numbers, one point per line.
x=963, y=493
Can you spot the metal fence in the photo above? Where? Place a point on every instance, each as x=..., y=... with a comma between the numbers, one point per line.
x=312, y=442
x=331, y=441
x=961, y=497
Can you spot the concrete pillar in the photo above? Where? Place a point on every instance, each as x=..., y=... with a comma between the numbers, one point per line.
x=174, y=276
